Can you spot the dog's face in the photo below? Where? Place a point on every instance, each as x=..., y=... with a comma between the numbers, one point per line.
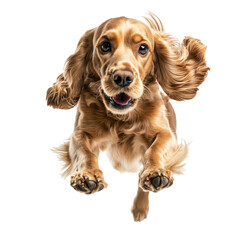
x=122, y=58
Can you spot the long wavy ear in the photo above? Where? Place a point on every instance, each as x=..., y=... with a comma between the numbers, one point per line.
x=65, y=92
x=180, y=69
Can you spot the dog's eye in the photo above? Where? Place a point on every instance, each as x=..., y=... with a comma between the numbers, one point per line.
x=143, y=50
x=105, y=47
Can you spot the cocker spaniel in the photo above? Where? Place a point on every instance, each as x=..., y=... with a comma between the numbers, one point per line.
x=113, y=77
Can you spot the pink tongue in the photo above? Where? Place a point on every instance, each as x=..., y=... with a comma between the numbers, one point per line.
x=122, y=99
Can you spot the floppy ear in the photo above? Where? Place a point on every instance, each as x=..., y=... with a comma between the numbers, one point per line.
x=65, y=92
x=180, y=69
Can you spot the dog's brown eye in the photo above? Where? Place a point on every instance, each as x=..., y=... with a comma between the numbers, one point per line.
x=105, y=47
x=143, y=50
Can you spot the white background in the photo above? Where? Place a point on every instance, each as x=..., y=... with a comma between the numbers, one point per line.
x=36, y=203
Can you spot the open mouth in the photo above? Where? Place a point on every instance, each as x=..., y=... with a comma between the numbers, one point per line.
x=120, y=101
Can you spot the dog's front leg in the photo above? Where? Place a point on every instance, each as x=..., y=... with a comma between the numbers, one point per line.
x=86, y=176
x=156, y=173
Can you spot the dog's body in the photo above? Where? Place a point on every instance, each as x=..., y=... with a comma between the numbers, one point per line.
x=114, y=77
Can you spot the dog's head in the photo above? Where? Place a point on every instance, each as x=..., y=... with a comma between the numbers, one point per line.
x=123, y=58
x=123, y=55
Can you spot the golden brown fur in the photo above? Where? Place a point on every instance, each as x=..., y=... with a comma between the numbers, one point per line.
x=143, y=134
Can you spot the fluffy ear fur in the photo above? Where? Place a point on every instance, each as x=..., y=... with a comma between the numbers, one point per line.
x=65, y=92
x=180, y=69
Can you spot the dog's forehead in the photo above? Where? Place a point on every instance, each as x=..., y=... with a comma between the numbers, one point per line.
x=124, y=26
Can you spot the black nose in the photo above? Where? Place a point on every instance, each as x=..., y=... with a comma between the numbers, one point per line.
x=123, y=78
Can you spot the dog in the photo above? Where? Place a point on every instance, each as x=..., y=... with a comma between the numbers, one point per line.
x=115, y=78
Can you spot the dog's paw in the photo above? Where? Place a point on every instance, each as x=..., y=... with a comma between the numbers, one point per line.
x=140, y=209
x=88, y=181
x=139, y=214
x=155, y=180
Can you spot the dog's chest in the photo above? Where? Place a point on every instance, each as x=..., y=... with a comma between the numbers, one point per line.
x=125, y=152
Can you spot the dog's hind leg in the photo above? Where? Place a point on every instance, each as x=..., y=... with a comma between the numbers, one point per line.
x=140, y=205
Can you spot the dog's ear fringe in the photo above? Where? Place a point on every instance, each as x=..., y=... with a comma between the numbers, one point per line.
x=180, y=69
x=58, y=96
x=65, y=92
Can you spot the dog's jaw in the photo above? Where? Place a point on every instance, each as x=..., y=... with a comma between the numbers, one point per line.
x=119, y=104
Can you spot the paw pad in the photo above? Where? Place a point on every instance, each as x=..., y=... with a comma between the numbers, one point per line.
x=83, y=182
x=155, y=180
x=91, y=185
